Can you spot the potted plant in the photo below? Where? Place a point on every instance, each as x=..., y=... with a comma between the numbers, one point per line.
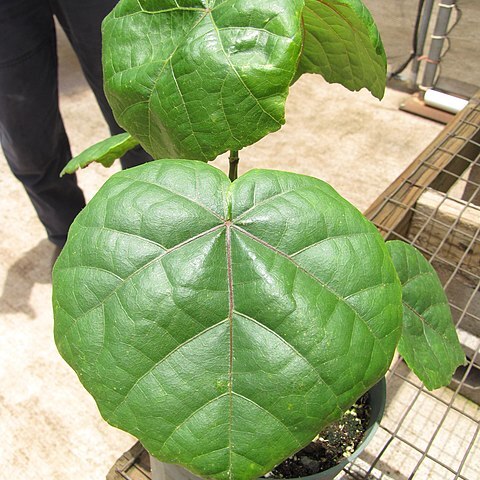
x=327, y=455
x=225, y=321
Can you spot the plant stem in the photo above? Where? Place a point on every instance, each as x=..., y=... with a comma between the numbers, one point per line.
x=234, y=159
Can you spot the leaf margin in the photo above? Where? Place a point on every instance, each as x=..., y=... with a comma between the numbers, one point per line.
x=403, y=256
x=104, y=152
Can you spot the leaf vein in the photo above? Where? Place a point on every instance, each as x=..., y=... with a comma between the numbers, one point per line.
x=190, y=416
x=163, y=359
x=299, y=445
x=324, y=285
x=343, y=235
x=317, y=373
x=136, y=180
x=239, y=76
x=136, y=272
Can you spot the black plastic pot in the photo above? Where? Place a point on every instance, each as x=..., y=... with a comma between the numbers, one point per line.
x=164, y=471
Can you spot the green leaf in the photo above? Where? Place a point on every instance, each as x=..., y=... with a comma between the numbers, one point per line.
x=224, y=325
x=342, y=43
x=104, y=152
x=429, y=342
x=195, y=78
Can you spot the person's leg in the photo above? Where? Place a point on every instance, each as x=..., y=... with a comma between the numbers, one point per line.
x=81, y=22
x=31, y=129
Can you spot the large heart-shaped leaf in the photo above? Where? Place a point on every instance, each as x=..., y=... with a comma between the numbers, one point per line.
x=195, y=78
x=342, y=44
x=429, y=342
x=224, y=324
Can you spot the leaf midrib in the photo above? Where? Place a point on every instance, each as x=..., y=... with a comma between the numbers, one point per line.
x=231, y=308
x=228, y=225
x=426, y=325
x=169, y=60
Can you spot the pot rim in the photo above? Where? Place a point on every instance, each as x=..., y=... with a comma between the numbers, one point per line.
x=377, y=402
x=378, y=396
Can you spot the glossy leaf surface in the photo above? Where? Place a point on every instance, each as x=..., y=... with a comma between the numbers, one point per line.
x=429, y=342
x=342, y=43
x=224, y=324
x=104, y=152
x=195, y=78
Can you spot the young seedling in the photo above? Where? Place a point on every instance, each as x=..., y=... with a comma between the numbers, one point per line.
x=222, y=321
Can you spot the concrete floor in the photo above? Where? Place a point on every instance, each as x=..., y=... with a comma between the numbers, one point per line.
x=49, y=426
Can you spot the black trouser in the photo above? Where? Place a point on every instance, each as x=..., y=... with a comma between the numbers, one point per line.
x=32, y=133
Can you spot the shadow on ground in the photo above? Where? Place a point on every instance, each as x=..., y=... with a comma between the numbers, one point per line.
x=33, y=267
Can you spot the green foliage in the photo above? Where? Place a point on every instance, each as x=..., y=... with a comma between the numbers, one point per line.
x=342, y=43
x=429, y=342
x=193, y=79
x=104, y=152
x=224, y=324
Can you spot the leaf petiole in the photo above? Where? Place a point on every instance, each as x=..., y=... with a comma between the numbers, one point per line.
x=234, y=159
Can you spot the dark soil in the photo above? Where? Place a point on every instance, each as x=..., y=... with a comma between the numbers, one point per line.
x=338, y=441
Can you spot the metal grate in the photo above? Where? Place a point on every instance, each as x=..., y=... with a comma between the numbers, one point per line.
x=435, y=435
x=424, y=435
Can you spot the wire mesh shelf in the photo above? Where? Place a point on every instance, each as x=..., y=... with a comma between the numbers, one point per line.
x=435, y=206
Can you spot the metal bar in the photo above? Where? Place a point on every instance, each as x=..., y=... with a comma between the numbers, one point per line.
x=422, y=36
x=467, y=452
x=438, y=399
x=433, y=214
x=430, y=457
x=396, y=203
x=420, y=169
x=450, y=231
x=438, y=39
x=460, y=309
x=439, y=426
x=462, y=259
x=394, y=433
x=422, y=249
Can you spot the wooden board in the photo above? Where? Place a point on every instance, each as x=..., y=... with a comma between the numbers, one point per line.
x=417, y=106
x=438, y=166
x=449, y=228
x=132, y=465
x=472, y=192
